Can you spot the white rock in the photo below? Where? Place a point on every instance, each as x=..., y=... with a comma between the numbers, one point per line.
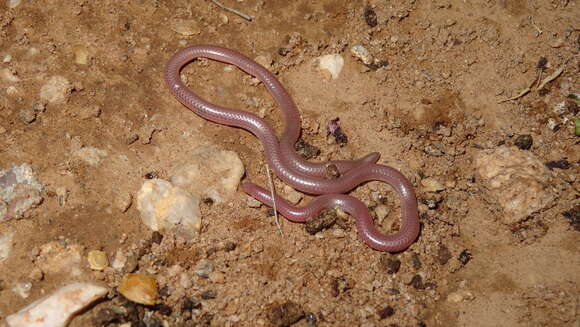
x=292, y=195
x=81, y=55
x=13, y=3
x=185, y=27
x=9, y=75
x=91, y=155
x=164, y=206
x=212, y=173
x=57, y=309
x=432, y=185
x=57, y=259
x=5, y=246
x=515, y=179
x=22, y=289
x=56, y=90
x=19, y=192
x=360, y=52
x=332, y=64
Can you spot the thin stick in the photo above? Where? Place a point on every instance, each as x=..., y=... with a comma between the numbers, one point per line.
x=232, y=10
x=274, y=200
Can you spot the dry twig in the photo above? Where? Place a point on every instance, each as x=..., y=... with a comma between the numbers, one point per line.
x=274, y=200
x=232, y=10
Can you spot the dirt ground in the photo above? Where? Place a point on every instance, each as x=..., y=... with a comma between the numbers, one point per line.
x=433, y=105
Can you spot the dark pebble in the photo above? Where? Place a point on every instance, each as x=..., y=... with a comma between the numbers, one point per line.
x=573, y=216
x=560, y=164
x=310, y=319
x=543, y=92
x=430, y=286
x=151, y=175
x=465, y=256
x=416, y=261
x=390, y=265
x=209, y=295
x=229, y=246
x=305, y=150
x=417, y=282
x=392, y=291
x=376, y=65
x=106, y=317
x=324, y=220
x=152, y=322
x=285, y=314
x=331, y=172
x=283, y=51
x=443, y=254
x=164, y=291
x=370, y=16
x=422, y=324
x=164, y=309
x=335, y=130
x=524, y=142
x=386, y=312
x=156, y=237
x=542, y=63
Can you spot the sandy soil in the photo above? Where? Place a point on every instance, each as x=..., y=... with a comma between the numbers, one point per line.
x=428, y=112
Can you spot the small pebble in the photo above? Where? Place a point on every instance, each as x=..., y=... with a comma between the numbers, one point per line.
x=465, y=256
x=203, y=268
x=460, y=296
x=97, y=260
x=81, y=55
x=524, y=142
x=360, y=52
x=386, y=312
x=22, y=289
x=27, y=115
x=560, y=164
x=92, y=111
x=432, y=185
x=306, y=150
x=209, y=295
x=292, y=195
x=324, y=220
x=285, y=314
x=13, y=3
x=417, y=282
x=217, y=277
x=390, y=265
x=331, y=64
x=253, y=203
x=56, y=90
x=139, y=288
x=186, y=27
x=443, y=254
x=370, y=16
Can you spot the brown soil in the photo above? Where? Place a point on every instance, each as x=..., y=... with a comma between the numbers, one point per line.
x=449, y=64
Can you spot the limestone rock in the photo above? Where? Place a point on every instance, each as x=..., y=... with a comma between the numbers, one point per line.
x=56, y=90
x=19, y=192
x=515, y=179
x=164, y=206
x=212, y=173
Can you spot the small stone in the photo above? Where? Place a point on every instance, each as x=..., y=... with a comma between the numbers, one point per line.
x=432, y=185
x=253, y=203
x=27, y=115
x=139, y=288
x=386, y=312
x=211, y=173
x=81, y=55
x=224, y=18
x=56, y=90
x=87, y=112
x=417, y=282
x=19, y=192
x=524, y=142
x=22, y=289
x=265, y=60
x=360, y=52
x=443, y=254
x=13, y=3
x=382, y=211
x=12, y=90
x=552, y=124
x=209, y=295
x=285, y=314
x=460, y=296
x=97, y=260
x=164, y=206
x=465, y=256
x=389, y=264
x=331, y=64
x=57, y=309
x=292, y=195
x=91, y=155
x=370, y=16
x=306, y=150
x=217, y=277
x=55, y=258
x=517, y=180
x=5, y=245
x=36, y=274
x=9, y=75
x=186, y=27
x=203, y=268
x=560, y=164
x=326, y=219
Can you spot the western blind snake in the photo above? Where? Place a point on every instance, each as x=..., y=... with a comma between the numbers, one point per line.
x=288, y=165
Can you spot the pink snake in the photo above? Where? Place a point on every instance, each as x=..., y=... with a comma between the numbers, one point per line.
x=304, y=176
